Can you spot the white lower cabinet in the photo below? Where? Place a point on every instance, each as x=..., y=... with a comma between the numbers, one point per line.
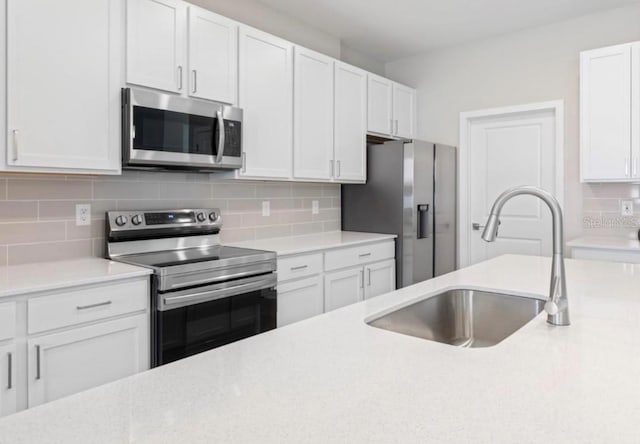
x=8, y=379
x=300, y=300
x=380, y=278
x=61, y=364
x=343, y=287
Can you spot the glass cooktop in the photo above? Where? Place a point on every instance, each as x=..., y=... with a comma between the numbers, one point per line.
x=190, y=255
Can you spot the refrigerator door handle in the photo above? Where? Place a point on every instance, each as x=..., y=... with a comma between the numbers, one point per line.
x=423, y=221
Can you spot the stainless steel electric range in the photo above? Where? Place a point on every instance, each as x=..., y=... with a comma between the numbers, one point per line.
x=203, y=294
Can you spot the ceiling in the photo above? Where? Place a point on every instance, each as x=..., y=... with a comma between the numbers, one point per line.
x=392, y=29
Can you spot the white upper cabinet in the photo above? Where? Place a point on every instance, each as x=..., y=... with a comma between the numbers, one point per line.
x=606, y=114
x=63, y=85
x=380, y=107
x=156, y=44
x=213, y=56
x=404, y=111
x=313, y=119
x=391, y=108
x=350, y=123
x=265, y=94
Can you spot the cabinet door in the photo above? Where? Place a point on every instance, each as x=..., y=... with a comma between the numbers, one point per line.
x=350, y=123
x=156, y=44
x=343, y=287
x=300, y=300
x=266, y=90
x=313, y=120
x=635, y=110
x=404, y=106
x=380, y=278
x=605, y=114
x=63, y=84
x=213, y=56
x=380, y=92
x=8, y=364
x=61, y=364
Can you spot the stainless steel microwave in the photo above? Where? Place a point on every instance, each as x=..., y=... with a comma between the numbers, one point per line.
x=163, y=131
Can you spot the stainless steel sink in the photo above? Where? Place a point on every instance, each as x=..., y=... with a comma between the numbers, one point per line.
x=465, y=318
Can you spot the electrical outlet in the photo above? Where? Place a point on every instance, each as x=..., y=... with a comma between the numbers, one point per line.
x=626, y=208
x=315, y=207
x=83, y=214
x=266, y=208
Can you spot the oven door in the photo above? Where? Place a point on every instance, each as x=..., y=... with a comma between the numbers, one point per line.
x=199, y=319
x=166, y=131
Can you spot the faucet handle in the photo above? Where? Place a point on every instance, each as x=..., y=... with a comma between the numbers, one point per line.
x=551, y=308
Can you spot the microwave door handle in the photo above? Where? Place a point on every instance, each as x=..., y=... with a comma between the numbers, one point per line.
x=220, y=136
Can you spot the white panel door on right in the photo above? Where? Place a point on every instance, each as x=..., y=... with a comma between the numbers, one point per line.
x=350, y=124
x=506, y=151
x=342, y=288
x=380, y=105
x=313, y=119
x=213, y=56
x=605, y=114
x=266, y=96
x=156, y=44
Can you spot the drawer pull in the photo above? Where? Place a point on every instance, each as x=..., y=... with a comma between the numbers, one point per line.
x=9, y=371
x=364, y=255
x=99, y=304
x=300, y=267
x=37, y=362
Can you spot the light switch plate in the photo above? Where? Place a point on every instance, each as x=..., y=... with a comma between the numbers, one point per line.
x=83, y=214
x=315, y=207
x=266, y=208
x=626, y=208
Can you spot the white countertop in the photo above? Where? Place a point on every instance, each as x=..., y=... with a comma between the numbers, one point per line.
x=606, y=243
x=45, y=276
x=334, y=379
x=313, y=242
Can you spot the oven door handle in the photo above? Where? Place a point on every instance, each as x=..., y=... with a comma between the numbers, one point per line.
x=233, y=288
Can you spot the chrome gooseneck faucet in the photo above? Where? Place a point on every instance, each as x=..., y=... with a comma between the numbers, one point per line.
x=557, y=306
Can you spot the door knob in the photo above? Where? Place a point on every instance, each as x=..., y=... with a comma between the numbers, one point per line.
x=476, y=226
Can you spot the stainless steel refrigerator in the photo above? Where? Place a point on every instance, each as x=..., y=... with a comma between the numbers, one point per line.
x=410, y=192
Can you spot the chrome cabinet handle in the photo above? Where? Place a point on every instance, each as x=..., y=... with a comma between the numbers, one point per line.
x=195, y=81
x=179, y=77
x=37, y=362
x=338, y=168
x=364, y=255
x=300, y=267
x=9, y=371
x=16, y=144
x=221, y=136
x=368, y=277
x=99, y=304
x=244, y=162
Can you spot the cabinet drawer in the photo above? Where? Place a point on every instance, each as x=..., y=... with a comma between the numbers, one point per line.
x=7, y=320
x=362, y=254
x=299, y=266
x=85, y=305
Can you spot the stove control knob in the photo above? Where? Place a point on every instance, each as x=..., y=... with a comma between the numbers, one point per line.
x=201, y=217
x=213, y=216
x=136, y=220
x=121, y=220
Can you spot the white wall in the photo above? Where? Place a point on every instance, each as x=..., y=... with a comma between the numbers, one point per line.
x=532, y=65
x=364, y=61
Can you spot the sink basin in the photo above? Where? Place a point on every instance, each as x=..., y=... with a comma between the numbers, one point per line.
x=464, y=318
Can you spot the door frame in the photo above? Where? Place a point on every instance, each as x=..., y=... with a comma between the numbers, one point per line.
x=464, y=167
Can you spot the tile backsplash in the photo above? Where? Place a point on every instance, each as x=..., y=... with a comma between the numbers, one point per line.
x=37, y=212
x=601, y=209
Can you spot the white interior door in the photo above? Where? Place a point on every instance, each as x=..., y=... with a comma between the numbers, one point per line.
x=504, y=151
